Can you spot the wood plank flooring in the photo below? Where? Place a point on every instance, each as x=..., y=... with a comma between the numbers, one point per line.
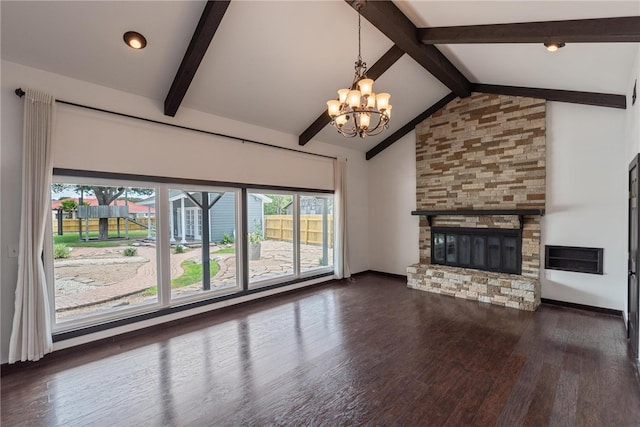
x=370, y=352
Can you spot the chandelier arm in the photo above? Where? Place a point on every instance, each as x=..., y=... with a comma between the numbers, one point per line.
x=351, y=127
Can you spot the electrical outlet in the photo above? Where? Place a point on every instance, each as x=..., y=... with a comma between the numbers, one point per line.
x=13, y=251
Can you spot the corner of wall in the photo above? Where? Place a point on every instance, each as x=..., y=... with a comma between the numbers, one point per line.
x=393, y=231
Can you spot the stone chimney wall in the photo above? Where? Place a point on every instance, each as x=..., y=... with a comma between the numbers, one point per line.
x=483, y=152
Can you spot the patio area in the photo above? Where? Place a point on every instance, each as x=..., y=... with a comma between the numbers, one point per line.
x=97, y=279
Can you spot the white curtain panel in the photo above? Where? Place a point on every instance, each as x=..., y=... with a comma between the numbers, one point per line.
x=341, y=248
x=31, y=332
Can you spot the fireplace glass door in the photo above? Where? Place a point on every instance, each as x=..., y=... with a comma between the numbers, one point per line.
x=496, y=250
x=479, y=243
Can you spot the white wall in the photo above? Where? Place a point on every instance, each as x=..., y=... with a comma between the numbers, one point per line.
x=587, y=201
x=14, y=76
x=393, y=231
x=633, y=112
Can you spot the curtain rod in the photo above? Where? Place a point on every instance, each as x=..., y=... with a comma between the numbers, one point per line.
x=21, y=93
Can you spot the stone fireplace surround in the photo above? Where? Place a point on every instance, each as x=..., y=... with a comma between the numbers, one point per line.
x=484, y=152
x=510, y=290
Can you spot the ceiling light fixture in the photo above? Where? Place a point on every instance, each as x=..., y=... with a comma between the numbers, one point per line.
x=134, y=40
x=358, y=110
x=553, y=46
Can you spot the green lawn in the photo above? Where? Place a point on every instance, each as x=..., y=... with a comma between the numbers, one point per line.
x=73, y=240
x=231, y=250
x=192, y=274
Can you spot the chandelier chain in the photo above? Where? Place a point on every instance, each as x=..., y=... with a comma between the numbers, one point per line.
x=358, y=110
x=361, y=66
x=359, y=37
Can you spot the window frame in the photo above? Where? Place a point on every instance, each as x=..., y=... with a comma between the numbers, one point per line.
x=322, y=269
x=297, y=274
x=164, y=304
x=295, y=255
x=212, y=293
x=80, y=322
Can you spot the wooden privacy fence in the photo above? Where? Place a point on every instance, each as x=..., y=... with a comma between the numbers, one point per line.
x=71, y=225
x=102, y=211
x=280, y=227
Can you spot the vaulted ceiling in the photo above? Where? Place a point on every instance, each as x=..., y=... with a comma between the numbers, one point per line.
x=275, y=63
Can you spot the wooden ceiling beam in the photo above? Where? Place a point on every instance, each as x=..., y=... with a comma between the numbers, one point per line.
x=574, y=97
x=410, y=126
x=390, y=20
x=603, y=30
x=570, y=96
x=376, y=70
x=207, y=26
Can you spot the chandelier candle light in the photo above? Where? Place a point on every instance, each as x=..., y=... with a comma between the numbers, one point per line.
x=358, y=110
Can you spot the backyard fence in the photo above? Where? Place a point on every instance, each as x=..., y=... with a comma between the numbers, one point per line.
x=277, y=227
x=280, y=227
x=71, y=225
x=102, y=211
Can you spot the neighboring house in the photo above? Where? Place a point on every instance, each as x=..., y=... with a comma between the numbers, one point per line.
x=309, y=206
x=222, y=214
x=135, y=210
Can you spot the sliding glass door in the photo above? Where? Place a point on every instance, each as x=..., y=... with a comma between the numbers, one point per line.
x=124, y=248
x=316, y=232
x=271, y=234
x=203, y=223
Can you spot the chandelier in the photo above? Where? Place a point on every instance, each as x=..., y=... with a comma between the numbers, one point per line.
x=358, y=110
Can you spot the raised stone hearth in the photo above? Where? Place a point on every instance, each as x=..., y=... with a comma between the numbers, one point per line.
x=509, y=290
x=482, y=153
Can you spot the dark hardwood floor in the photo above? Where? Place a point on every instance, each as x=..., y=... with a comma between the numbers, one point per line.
x=370, y=352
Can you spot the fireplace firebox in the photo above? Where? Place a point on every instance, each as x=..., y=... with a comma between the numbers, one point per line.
x=488, y=249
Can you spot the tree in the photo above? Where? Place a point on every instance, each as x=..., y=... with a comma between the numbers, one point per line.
x=68, y=206
x=278, y=204
x=105, y=196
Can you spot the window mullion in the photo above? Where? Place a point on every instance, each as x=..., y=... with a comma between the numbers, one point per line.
x=164, y=246
x=242, y=240
x=296, y=234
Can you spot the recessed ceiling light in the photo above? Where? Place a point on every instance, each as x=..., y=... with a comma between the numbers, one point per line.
x=553, y=46
x=134, y=40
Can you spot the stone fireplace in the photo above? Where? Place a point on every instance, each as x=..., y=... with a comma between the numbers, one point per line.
x=480, y=191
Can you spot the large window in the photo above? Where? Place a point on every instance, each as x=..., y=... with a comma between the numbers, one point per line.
x=123, y=248
x=104, y=248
